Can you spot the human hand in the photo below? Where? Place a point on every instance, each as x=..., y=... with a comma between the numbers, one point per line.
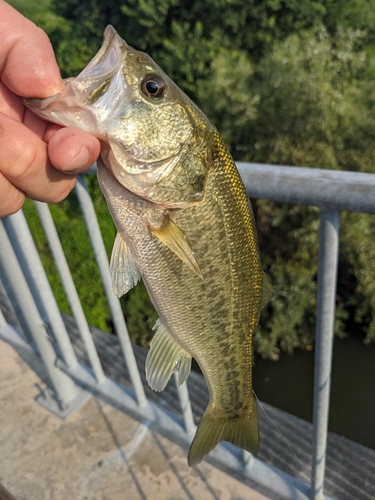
x=37, y=159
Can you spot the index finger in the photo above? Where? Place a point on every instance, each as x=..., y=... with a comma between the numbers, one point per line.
x=27, y=62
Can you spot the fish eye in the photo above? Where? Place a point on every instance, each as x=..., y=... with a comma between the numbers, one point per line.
x=153, y=86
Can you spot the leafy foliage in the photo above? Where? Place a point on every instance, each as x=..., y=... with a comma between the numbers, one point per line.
x=41, y=13
x=285, y=82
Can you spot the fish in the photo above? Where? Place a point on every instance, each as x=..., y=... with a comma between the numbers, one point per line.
x=185, y=226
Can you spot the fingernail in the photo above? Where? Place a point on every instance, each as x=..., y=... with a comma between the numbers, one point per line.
x=79, y=161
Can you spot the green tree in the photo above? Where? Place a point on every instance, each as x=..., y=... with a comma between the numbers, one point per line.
x=285, y=82
x=307, y=102
x=42, y=13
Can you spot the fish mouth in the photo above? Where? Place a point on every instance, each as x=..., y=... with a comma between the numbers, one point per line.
x=87, y=99
x=108, y=59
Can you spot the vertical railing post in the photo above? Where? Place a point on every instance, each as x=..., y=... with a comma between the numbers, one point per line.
x=21, y=324
x=95, y=235
x=28, y=257
x=2, y=319
x=69, y=287
x=187, y=412
x=327, y=277
x=11, y=273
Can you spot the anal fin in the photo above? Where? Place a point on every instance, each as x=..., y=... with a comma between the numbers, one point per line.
x=164, y=358
x=124, y=271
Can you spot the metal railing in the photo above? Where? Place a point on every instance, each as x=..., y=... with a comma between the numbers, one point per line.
x=27, y=287
x=332, y=192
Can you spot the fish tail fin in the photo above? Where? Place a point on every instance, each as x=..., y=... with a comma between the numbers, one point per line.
x=242, y=432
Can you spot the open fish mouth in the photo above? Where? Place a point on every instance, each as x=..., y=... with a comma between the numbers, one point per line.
x=99, y=86
x=110, y=99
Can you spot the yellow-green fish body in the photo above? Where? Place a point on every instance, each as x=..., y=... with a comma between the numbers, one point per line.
x=185, y=226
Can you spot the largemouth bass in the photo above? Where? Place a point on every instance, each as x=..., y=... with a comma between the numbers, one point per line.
x=185, y=226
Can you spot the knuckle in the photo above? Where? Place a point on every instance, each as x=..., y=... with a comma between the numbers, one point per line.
x=26, y=161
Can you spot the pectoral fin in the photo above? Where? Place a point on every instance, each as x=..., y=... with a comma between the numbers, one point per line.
x=164, y=358
x=124, y=270
x=175, y=239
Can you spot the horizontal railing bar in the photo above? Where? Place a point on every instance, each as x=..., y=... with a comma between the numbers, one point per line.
x=92, y=170
x=337, y=190
x=333, y=189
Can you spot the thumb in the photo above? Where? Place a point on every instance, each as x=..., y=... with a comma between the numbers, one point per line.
x=27, y=62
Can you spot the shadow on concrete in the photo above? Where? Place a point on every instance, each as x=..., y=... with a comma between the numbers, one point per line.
x=122, y=454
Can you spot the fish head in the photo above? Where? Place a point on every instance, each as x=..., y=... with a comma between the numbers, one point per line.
x=155, y=141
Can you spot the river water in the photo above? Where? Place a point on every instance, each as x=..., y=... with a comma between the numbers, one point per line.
x=288, y=385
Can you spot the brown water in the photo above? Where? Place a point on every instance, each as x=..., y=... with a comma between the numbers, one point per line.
x=288, y=385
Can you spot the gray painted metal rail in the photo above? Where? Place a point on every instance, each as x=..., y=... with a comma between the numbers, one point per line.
x=14, y=280
x=331, y=191
x=327, y=278
x=92, y=225
x=334, y=189
x=27, y=255
x=70, y=289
